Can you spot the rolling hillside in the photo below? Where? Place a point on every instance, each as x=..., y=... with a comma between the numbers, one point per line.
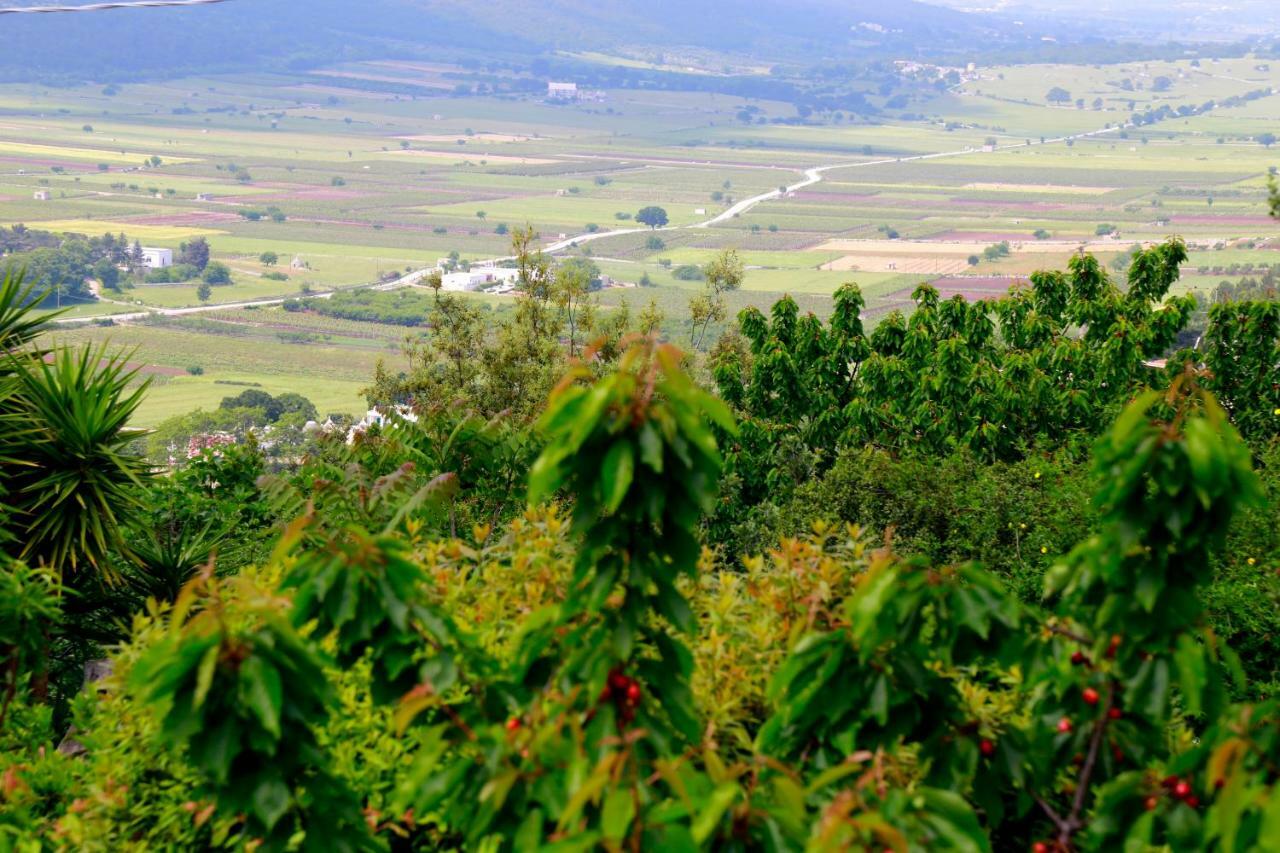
x=265, y=34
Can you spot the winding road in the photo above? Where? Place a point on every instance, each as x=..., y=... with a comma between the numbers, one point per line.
x=812, y=176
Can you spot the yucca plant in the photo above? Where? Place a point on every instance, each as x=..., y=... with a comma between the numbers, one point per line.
x=75, y=483
x=18, y=328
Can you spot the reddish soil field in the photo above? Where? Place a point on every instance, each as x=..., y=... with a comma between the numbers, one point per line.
x=836, y=198
x=980, y=203
x=981, y=236
x=317, y=194
x=187, y=220
x=972, y=288
x=1222, y=220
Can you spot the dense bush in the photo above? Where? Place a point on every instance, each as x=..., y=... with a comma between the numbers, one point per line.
x=398, y=308
x=642, y=617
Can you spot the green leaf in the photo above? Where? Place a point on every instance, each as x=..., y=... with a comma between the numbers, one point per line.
x=712, y=811
x=650, y=447
x=954, y=821
x=262, y=692
x=616, y=474
x=204, y=675
x=1193, y=676
x=618, y=812
x=270, y=801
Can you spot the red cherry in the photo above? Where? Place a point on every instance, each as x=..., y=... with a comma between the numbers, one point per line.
x=1039, y=847
x=618, y=681
x=1090, y=696
x=513, y=724
x=1193, y=801
x=1150, y=804
x=987, y=747
x=1220, y=784
x=633, y=693
x=1115, y=644
x=1181, y=790
x=1169, y=781
x=1117, y=754
x=1078, y=658
x=1064, y=725
x=1114, y=713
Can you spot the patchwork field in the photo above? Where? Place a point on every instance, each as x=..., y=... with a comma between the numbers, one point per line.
x=349, y=183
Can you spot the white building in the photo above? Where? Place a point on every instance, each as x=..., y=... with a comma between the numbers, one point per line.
x=204, y=196
x=154, y=259
x=479, y=278
x=564, y=91
x=42, y=195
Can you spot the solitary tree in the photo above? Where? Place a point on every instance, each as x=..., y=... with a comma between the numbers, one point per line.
x=204, y=291
x=195, y=253
x=1058, y=95
x=269, y=259
x=1267, y=139
x=721, y=276
x=654, y=217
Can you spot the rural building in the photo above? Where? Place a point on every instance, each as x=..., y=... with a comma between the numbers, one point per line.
x=204, y=196
x=42, y=195
x=479, y=278
x=297, y=263
x=154, y=259
x=699, y=211
x=571, y=92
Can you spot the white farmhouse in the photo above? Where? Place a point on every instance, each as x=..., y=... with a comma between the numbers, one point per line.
x=479, y=278
x=563, y=91
x=154, y=259
x=42, y=195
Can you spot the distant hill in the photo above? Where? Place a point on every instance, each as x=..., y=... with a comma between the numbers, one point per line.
x=260, y=34
x=781, y=29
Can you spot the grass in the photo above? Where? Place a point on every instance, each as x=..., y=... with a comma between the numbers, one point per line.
x=179, y=395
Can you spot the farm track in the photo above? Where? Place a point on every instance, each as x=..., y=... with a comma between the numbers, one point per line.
x=812, y=176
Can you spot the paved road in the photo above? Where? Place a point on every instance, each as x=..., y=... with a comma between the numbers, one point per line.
x=811, y=176
x=404, y=280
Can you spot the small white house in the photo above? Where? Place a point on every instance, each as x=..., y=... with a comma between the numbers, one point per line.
x=204, y=196
x=563, y=91
x=479, y=278
x=155, y=259
x=42, y=195
x=461, y=281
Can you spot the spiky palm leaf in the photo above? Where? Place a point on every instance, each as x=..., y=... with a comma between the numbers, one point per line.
x=19, y=327
x=77, y=485
x=165, y=556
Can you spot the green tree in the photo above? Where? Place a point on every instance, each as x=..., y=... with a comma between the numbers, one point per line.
x=723, y=275
x=654, y=217
x=268, y=259
x=195, y=252
x=106, y=272
x=216, y=272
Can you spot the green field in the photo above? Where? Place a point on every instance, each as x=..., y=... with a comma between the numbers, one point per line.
x=372, y=183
